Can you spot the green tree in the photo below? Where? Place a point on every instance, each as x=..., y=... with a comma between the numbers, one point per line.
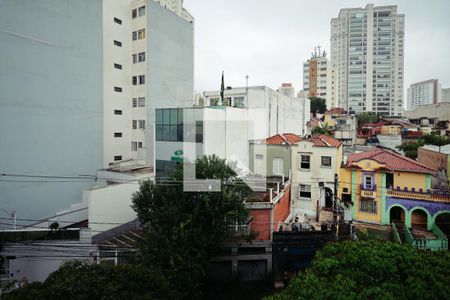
x=367, y=117
x=321, y=130
x=80, y=280
x=318, y=105
x=372, y=269
x=411, y=148
x=185, y=229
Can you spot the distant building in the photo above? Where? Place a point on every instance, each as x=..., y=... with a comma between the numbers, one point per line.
x=367, y=59
x=432, y=118
x=437, y=158
x=281, y=113
x=424, y=92
x=303, y=94
x=445, y=95
x=287, y=89
x=315, y=76
x=343, y=125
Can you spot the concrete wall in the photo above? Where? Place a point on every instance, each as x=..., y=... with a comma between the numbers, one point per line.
x=50, y=99
x=264, y=167
x=170, y=66
x=110, y=206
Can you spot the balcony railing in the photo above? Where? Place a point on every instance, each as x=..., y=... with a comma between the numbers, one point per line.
x=428, y=195
x=372, y=187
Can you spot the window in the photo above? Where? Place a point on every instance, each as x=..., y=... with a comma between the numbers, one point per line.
x=134, y=102
x=368, y=181
x=117, y=43
x=141, y=34
x=304, y=191
x=117, y=134
x=117, y=112
x=304, y=162
x=239, y=102
x=141, y=57
x=117, y=89
x=141, y=102
x=141, y=124
x=117, y=157
x=326, y=161
x=368, y=205
x=139, y=144
x=138, y=79
x=134, y=13
x=134, y=124
x=118, y=21
x=117, y=66
x=134, y=58
x=134, y=35
x=133, y=146
x=141, y=11
x=277, y=166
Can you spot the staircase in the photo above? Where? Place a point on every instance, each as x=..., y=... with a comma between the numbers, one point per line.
x=401, y=231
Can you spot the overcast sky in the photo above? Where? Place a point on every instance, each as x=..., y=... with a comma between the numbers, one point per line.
x=269, y=39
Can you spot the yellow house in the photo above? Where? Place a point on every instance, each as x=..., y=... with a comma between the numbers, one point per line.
x=330, y=116
x=384, y=187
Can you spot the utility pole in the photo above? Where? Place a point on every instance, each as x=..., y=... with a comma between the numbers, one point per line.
x=335, y=205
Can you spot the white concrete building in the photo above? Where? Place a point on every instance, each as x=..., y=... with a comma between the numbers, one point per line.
x=445, y=95
x=316, y=77
x=367, y=58
x=95, y=72
x=315, y=162
x=272, y=111
x=423, y=93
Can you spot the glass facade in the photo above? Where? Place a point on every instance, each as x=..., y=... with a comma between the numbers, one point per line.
x=178, y=125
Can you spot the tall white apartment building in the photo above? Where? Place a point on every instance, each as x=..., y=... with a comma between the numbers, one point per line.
x=316, y=76
x=367, y=58
x=81, y=84
x=424, y=92
x=445, y=95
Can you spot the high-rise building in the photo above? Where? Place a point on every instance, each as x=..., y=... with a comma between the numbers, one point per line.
x=316, y=74
x=424, y=92
x=367, y=59
x=445, y=95
x=287, y=89
x=79, y=91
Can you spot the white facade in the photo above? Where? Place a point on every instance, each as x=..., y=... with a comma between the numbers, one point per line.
x=272, y=112
x=367, y=57
x=423, y=93
x=132, y=93
x=445, y=95
x=313, y=171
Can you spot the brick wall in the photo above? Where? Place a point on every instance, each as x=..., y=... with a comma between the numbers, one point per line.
x=282, y=208
x=261, y=223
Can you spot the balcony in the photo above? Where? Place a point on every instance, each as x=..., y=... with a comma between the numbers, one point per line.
x=368, y=191
x=428, y=195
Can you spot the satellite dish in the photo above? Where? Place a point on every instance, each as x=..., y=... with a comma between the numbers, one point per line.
x=54, y=226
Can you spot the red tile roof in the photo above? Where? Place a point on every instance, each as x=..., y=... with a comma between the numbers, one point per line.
x=335, y=110
x=283, y=139
x=323, y=140
x=392, y=160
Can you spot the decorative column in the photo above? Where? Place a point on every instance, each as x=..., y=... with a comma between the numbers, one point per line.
x=384, y=213
x=354, y=184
